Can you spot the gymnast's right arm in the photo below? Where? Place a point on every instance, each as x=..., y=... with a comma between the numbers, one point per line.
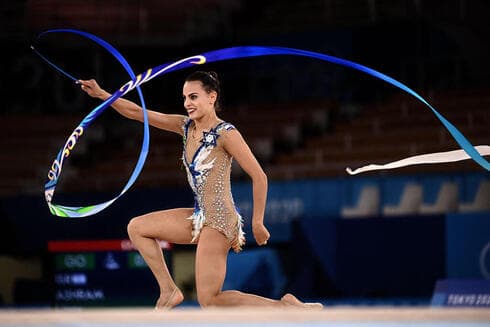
x=131, y=110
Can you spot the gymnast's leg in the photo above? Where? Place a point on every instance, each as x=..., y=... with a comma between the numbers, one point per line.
x=168, y=225
x=212, y=251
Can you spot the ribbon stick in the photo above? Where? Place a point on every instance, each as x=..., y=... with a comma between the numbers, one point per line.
x=215, y=56
x=56, y=168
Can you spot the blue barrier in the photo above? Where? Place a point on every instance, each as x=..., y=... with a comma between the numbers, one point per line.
x=256, y=271
x=462, y=293
x=379, y=257
x=326, y=197
x=355, y=254
x=468, y=246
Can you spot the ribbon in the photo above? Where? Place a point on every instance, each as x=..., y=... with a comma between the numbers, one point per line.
x=212, y=56
x=56, y=167
x=429, y=158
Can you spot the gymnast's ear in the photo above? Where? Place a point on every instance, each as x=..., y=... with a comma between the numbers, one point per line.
x=213, y=95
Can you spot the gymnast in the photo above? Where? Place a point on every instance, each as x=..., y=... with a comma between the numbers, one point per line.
x=214, y=224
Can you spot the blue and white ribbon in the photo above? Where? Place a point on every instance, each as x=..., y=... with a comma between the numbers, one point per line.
x=468, y=150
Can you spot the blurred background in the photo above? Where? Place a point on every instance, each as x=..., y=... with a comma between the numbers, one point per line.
x=386, y=237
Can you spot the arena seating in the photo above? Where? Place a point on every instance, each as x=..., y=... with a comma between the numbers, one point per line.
x=279, y=135
x=391, y=131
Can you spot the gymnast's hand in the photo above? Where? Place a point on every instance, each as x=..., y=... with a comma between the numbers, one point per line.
x=261, y=234
x=93, y=89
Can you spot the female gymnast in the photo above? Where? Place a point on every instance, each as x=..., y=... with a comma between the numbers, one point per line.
x=213, y=224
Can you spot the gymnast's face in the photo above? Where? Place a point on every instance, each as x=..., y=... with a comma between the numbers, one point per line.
x=197, y=102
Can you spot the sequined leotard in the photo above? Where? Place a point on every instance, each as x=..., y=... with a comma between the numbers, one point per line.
x=208, y=168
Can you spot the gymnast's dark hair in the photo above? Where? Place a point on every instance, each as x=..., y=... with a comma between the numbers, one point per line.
x=210, y=82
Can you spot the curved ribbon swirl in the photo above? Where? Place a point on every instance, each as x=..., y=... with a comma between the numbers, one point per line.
x=213, y=56
x=56, y=167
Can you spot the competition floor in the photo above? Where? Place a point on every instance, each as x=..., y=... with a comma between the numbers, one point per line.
x=329, y=316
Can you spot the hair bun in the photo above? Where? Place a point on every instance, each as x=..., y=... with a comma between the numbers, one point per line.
x=213, y=75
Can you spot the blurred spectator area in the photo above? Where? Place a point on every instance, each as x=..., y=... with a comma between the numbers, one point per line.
x=299, y=140
x=427, y=45
x=143, y=16
x=171, y=22
x=178, y=22
x=397, y=128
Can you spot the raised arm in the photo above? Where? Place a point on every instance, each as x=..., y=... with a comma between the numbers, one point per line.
x=131, y=110
x=236, y=146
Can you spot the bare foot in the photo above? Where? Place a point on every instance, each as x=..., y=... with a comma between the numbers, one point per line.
x=314, y=305
x=292, y=300
x=167, y=301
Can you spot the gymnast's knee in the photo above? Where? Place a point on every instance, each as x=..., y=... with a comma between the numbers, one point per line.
x=134, y=227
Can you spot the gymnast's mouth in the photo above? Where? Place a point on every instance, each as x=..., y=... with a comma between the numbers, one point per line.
x=190, y=111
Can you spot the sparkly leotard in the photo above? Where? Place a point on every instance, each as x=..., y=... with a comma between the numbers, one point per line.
x=208, y=168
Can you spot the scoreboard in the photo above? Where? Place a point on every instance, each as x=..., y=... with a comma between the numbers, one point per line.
x=102, y=273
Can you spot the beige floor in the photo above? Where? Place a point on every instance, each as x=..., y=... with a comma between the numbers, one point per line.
x=244, y=315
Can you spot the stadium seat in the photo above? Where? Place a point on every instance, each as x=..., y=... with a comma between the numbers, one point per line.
x=367, y=205
x=410, y=202
x=481, y=201
x=447, y=200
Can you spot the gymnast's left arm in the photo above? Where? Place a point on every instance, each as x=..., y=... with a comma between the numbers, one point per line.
x=236, y=146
